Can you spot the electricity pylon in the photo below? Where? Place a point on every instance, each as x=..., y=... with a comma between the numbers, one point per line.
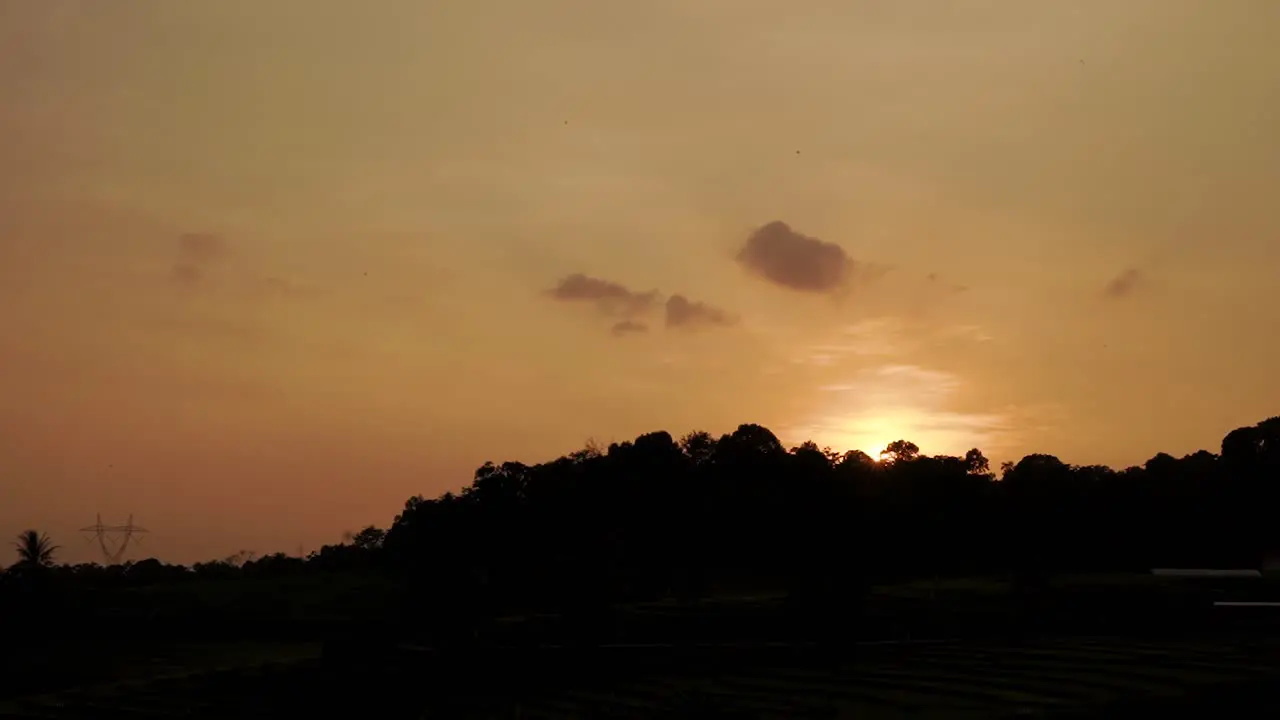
x=114, y=539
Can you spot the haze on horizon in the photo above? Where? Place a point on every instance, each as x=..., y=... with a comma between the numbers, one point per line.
x=269, y=268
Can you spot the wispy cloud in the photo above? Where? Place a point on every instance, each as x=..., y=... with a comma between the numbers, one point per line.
x=610, y=298
x=683, y=312
x=944, y=285
x=629, y=327
x=205, y=326
x=630, y=308
x=867, y=338
x=201, y=247
x=196, y=253
x=1124, y=284
x=971, y=333
x=276, y=287
x=899, y=401
x=885, y=337
x=187, y=274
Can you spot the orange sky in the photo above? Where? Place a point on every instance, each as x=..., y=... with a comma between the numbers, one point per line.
x=269, y=268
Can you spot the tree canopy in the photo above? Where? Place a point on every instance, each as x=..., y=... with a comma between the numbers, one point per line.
x=660, y=516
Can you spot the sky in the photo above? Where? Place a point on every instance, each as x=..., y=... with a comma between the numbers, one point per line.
x=267, y=269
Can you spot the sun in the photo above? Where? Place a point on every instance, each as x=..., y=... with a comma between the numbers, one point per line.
x=871, y=434
x=875, y=443
x=898, y=402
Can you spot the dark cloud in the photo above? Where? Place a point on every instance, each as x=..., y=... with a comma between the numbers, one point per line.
x=785, y=257
x=187, y=274
x=953, y=288
x=225, y=329
x=629, y=308
x=609, y=297
x=629, y=327
x=199, y=248
x=278, y=287
x=195, y=252
x=683, y=312
x=1124, y=284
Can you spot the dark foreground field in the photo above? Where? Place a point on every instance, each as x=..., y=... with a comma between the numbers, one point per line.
x=1081, y=677
x=1086, y=648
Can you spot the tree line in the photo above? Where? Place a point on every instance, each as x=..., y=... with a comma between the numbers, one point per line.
x=665, y=517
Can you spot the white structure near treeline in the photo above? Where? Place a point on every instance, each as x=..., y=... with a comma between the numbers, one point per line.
x=1213, y=573
x=1206, y=573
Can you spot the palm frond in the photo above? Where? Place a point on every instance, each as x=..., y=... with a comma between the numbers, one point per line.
x=35, y=549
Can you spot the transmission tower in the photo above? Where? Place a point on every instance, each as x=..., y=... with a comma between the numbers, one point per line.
x=114, y=539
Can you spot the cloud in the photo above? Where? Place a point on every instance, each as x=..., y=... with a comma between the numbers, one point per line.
x=932, y=294
x=885, y=337
x=1124, y=284
x=683, y=312
x=629, y=327
x=867, y=338
x=198, y=256
x=949, y=287
x=611, y=298
x=777, y=253
x=629, y=308
x=278, y=287
x=195, y=252
x=200, y=248
x=237, y=330
x=966, y=333
x=187, y=274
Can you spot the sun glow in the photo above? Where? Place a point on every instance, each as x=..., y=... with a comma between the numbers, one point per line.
x=870, y=434
x=897, y=402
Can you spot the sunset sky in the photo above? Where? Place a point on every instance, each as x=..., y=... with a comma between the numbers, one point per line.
x=270, y=267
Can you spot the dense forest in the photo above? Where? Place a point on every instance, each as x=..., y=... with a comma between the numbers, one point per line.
x=665, y=518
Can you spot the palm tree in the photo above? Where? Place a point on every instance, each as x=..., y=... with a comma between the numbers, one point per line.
x=35, y=549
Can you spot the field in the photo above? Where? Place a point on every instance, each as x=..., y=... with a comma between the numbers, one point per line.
x=1064, y=678
x=960, y=648
x=920, y=679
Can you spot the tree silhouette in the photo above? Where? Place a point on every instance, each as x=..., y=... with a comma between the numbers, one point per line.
x=976, y=462
x=369, y=538
x=900, y=451
x=35, y=550
x=656, y=518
